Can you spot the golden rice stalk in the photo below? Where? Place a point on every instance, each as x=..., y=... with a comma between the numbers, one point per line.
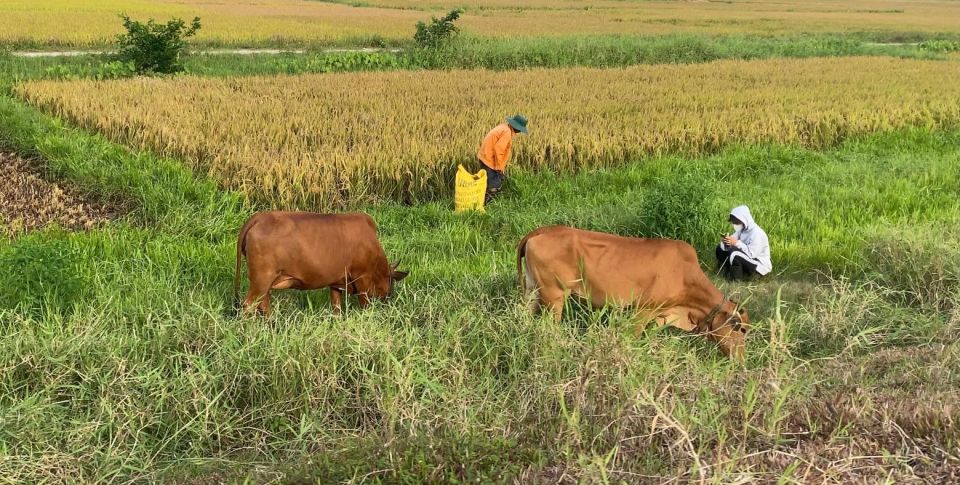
x=95, y=22
x=323, y=141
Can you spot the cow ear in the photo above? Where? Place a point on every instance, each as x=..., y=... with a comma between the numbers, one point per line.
x=399, y=275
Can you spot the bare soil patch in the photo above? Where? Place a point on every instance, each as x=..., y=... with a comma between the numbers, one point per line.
x=30, y=201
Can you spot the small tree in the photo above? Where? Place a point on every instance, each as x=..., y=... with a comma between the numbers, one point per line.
x=153, y=47
x=439, y=31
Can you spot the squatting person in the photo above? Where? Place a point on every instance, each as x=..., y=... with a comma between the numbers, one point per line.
x=746, y=252
x=495, y=151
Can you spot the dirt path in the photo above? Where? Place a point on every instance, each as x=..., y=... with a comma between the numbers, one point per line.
x=205, y=51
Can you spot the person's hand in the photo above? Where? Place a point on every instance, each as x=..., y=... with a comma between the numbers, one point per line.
x=730, y=240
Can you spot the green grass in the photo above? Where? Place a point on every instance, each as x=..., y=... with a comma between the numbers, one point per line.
x=615, y=51
x=475, y=52
x=122, y=358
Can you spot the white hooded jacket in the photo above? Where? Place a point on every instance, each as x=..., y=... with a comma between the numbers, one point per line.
x=751, y=240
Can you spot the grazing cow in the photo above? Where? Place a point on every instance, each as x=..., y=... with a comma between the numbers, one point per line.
x=307, y=251
x=659, y=278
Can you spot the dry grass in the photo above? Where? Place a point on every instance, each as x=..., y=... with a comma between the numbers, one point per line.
x=324, y=141
x=94, y=22
x=29, y=202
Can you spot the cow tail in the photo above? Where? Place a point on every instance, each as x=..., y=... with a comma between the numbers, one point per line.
x=521, y=253
x=241, y=252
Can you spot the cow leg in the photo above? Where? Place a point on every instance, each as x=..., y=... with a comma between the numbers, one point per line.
x=553, y=300
x=259, y=295
x=249, y=300
x=531, y=291
x=556, y=307
x=264, y=305
x=336, y=300
x=533, y=303
x=363, y=300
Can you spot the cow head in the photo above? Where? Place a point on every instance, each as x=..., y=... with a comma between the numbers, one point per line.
x=727, y=324
x=393, y=277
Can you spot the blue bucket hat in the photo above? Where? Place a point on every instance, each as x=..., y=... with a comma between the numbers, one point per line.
x=518, y=122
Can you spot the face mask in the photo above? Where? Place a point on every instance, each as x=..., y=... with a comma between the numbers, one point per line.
x=738, y=227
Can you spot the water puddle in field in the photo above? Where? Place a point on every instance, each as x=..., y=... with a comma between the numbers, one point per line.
x=30, y=201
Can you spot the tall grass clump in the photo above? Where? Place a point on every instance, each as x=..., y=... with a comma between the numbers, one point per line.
x=681, y=207
x=921, y=263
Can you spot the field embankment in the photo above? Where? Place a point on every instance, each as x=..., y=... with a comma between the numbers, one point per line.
x=483, y=53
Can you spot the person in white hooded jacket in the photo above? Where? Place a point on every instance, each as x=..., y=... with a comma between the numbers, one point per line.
x=746, y=252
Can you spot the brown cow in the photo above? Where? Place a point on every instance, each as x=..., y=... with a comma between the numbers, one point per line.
x=307, y=251
x=659, y=278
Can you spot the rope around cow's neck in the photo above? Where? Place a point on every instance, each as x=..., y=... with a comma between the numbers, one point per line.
x=713, y=313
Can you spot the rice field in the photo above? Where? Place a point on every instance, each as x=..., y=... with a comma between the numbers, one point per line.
x=277, y=22
x=329, y=141
x=242, y=22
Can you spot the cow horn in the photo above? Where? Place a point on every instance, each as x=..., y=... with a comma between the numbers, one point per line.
x=396, y=265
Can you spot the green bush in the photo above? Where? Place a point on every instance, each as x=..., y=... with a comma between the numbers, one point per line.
x=438, y=32
x=153, y=47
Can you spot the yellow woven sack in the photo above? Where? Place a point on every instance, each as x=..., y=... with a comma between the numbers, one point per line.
x=470, y=190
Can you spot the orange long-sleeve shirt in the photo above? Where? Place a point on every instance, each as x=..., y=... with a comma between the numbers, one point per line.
x=495, y=148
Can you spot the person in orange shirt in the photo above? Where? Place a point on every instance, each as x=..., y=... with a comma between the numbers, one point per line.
x=495, y=151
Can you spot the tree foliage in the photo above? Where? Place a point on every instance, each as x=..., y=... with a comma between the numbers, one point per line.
x=439, y=31
x=153, y=47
